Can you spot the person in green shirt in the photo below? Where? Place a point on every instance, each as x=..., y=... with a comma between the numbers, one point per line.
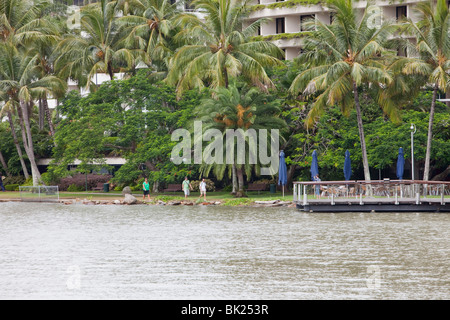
x=186, y=185
x=146, y=189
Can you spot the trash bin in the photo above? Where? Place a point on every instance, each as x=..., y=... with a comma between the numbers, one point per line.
x=106, y=187
x=273, y=188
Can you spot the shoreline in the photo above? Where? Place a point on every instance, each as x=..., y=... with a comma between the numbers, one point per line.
x=126, y=200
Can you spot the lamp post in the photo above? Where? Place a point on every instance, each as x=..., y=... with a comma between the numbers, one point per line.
x=413, y=131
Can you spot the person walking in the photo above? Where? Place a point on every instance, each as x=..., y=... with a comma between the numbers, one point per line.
x=202, y=188
x=146, y=189
x=1, y=182
x=186, y=185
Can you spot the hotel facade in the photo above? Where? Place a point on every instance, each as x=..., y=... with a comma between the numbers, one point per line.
x=287, y=19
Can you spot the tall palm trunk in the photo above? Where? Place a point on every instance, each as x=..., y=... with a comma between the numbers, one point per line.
x=240, y=178
x=4, y=165
x=18, y=148
x=361, y=133
x=234, y=180
x=41, y=115
x=426, y=172
x=28, y=141
x=48, y=116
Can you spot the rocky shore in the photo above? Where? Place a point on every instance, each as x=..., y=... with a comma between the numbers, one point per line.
x=131, y=200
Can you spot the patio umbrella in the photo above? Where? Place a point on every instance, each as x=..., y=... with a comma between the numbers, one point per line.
x=347, y=166
x=400, y=164
x=314, y=165
x=282, y=171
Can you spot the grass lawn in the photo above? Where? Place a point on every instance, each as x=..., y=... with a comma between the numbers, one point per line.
x=225, y=197
x=222, y=196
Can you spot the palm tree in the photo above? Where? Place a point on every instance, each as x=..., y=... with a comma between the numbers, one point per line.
x=219, y=47
x=342, y=57
x=20, y=84
x=151, y=29
x=432, y=32
x=20, y=25
x=98, y=48
x=238, y=108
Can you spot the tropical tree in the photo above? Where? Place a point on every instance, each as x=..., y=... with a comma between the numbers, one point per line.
x=238, y=108
x=341, y=57
x=97, y=47
x=20, y=84
x=21, y=24
x=151, y=29
x=432, y=32
x=219, y=46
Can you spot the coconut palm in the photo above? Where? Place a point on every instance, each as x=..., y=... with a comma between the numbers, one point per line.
x=238, y=108
x=342, y=57
x=21, y=24
x=432, y=32
x=219, y=47
x=150, y=29
x=96, y=48
x=20, y=84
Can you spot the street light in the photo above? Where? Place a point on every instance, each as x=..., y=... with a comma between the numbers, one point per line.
x=413, y=131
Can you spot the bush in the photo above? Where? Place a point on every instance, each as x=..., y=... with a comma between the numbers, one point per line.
x=209, y=185
x=79, y=180
x=75, y=188
x=137, y=187
x=12, y=187
x=228, y=188
x=19, y=180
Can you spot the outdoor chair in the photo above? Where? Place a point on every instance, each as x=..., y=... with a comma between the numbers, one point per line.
x=99, y=187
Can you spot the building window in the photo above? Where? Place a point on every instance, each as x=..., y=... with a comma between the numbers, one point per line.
x=280, y=25
x=401, y=12
x=304, y=20
x=188, y=6
x=259, y=31
x=401, y=52
x=284, y=54
x=332, y=15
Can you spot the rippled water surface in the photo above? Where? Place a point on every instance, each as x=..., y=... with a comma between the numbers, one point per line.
x=52, y=251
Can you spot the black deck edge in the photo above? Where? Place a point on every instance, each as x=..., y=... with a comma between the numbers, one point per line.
x=424, y=207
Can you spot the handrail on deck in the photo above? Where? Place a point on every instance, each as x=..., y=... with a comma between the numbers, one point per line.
x=397, y=189
x=371, y=182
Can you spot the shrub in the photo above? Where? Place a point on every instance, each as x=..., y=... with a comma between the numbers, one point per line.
x=11, y=187
x=19, y=180
x=137, y=187
x=79, y=180
x=209, y=185
x=75, y=188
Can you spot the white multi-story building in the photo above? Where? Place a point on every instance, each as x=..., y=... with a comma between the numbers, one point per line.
x=287, y=19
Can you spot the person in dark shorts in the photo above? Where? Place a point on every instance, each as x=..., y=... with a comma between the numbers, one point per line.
x=1, y=182
x=146, y=189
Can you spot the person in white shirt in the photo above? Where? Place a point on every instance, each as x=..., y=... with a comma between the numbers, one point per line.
x=202, y=188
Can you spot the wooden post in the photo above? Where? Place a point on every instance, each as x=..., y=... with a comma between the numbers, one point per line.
x=305, y=196
x=396, y=196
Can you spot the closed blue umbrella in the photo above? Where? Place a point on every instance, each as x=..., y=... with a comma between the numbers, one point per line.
x=314, y=165
x=400, y=164
x=347, y=166
x=282, y=171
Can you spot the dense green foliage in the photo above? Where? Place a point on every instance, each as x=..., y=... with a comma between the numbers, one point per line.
x=163, y=54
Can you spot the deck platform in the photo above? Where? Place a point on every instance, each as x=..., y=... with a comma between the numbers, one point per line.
x=376, y=196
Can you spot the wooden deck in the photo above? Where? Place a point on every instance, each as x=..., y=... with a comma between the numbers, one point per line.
x=391, y=200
